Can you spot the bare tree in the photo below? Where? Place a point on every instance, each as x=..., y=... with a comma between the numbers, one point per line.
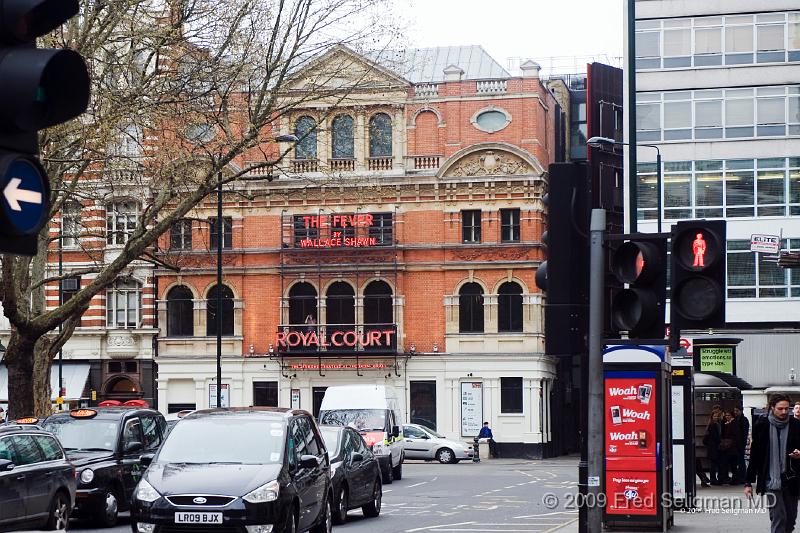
x=185, y=93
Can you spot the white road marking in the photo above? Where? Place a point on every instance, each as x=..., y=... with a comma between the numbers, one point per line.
x=429, y=528
x=417, y=484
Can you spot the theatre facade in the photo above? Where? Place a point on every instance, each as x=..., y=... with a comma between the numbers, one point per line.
x=398, y=246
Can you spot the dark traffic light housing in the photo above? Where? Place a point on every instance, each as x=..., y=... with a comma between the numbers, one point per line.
x=641, y=264
x=39, y=88
x=698, y=274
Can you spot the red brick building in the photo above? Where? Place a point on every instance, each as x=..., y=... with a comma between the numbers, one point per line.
x=398, y=246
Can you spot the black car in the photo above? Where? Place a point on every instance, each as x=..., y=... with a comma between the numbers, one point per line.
x=355, y=473
x=106, y=444
x=37, y=483
x=248, y=469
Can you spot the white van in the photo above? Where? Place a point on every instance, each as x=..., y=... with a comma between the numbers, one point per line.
x=374, y=411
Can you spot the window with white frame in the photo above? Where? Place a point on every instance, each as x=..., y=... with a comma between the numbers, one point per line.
x=121, y=220
x=752, y=275
x=716, y=40
x=70, y=224
x=123, y=304
x=732, y=188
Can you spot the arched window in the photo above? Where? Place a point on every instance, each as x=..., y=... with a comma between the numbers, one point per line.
x=306, y=130
x=470, y=308
x=123, y=303
x=380, y=135
x=302, y=303
x=378, y=303
x=509, y=304
x=226, y=311
x=180, y=312
x=341, y=304
x=342, y=144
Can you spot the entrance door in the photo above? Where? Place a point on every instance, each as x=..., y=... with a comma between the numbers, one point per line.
x=318, y=393
x=423, y=403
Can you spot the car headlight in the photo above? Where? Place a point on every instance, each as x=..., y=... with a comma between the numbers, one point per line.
x=145, y=492
x=334, y=466
x=87, y=475
x=264, y=493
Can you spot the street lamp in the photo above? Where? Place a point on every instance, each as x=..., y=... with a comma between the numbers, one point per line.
x=220, y=234
x=603, y=142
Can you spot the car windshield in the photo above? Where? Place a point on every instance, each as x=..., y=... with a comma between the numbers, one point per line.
x=224, y=439
x=331, y=438
x=89, y=434
x=360, y=419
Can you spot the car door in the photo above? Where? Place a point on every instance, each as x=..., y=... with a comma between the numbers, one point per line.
x=130, y=460
x=321, y=473
x=38, y=478
x=301, y=477
x=416, y=443
x=13, y=491
x=362, y=477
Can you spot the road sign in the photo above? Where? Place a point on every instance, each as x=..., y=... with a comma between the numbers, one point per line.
x=768, y=244
x=26, y=195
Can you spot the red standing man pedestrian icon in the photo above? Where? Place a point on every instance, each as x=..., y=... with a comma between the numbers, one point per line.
x=699, y=250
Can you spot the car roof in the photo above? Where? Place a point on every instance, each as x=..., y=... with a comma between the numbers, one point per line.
x=23, y=428
x=282, y=413
x=113, y=412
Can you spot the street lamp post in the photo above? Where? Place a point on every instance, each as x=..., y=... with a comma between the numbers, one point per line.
x=602, y=142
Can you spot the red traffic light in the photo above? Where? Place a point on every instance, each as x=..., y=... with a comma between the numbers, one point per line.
x=25, y=20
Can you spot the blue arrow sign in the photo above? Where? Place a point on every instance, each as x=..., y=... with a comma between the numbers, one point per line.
x=24, y=195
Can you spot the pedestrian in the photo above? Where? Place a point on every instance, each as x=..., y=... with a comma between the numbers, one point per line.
x=728, y=448
x=712, y=440
x=486, y=433
x=698, y=468
x=741, y=448
x=796, y=410
x=2, y=415
x=774, y=463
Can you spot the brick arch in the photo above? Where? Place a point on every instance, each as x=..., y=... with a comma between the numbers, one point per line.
x=226, y=284
x=426, y=109
x=426, y=132
x=176, y=283
x=479, y=281
x=297, y=282
x=513, y=279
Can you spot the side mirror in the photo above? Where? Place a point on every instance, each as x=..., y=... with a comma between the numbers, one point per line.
x=426, y=436
x=146, y=459
x=395, y=431
x=132, y=446
x=357, y=457
x=308, y=461
x=6, y=465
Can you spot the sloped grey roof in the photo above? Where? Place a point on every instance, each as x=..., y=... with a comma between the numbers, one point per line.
x=427, y=65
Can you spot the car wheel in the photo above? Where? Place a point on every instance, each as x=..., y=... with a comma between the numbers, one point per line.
x=445, y=456
x=109, y=512
x=340, y=516
x=373, y=508
x=388, y=474
x=397, y=471
x=59, y=513
x=325, y=522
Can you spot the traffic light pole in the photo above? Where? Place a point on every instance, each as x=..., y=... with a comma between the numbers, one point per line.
x=594, y=434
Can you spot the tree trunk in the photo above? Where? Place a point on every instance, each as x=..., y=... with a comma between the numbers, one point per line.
x=28, y=362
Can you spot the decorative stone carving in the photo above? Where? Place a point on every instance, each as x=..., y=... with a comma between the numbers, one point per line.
x=503, y=254
x=120, y=340
x=121, y=345
x=490, y=163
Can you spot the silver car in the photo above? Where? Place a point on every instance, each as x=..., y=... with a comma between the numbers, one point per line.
x=420, y=442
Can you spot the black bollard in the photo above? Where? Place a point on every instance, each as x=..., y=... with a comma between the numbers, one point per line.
x=476, y=456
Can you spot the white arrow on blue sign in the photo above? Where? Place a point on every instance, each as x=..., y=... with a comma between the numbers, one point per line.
x=25, y=190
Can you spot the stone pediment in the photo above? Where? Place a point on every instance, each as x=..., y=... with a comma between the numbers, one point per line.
x=342, y=68
x=491, y=160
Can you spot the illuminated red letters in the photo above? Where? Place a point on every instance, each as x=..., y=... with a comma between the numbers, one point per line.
x=338, y=339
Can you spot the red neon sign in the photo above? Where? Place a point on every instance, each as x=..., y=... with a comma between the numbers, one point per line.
x=337, y=366
x=337, y=221
x=699, y=251
x=337, y=241
x=339, y=339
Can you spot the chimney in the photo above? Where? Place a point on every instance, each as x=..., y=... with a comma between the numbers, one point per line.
x=530, y=69
x=453, y=73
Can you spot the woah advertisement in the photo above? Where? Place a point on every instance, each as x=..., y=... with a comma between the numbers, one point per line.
x=630, y=417
x=631, y=493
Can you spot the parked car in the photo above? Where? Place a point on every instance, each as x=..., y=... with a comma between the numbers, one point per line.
x=37, y=483
x=374, y=411
x=28, y=421
x=258, y=469
x=355, y=474
x=420, y=442
x=174, y=418
x=106, y=444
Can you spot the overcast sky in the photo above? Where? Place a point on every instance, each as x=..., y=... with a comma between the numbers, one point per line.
x=537, y=29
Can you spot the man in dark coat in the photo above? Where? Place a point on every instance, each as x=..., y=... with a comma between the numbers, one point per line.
x=744, y=433
x=775, y=463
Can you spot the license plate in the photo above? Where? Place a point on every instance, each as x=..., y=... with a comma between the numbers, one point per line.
x=198, y=518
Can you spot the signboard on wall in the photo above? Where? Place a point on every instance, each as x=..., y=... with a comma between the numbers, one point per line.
x=471, y=408
x=295, y=398
x=224, y=397
x=677, y=412
x=716, y=358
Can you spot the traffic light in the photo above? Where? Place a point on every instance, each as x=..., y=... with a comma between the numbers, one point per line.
x=564, y=276
x=698, y=274
x=641, y=264
x=39, y=88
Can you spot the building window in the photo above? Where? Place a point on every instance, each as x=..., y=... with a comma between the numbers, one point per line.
x=510, y=395
x=180, y=235
x=752, y=275
x=341, y=305
x=304, y=230
x=381, y=229
x=225, y=313
x=509, y=307
x=380, y=135
x=69, y=288
x=509, y=225
x=128, y=142
x=491, y=120
x=302, y=304
x=378, y=305
x=123, y=304
x=265, y=393
x=227, y=233
x=306, y=131
x=114, y=367
x=342, y=138
x=121, y=220
x=70, y=224
x=180, y=312
x=471, y=226
x=470, y=308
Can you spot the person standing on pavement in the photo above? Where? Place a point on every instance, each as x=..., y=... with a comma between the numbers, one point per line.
x=729, y=447
x=744, y=433
x=712, y=440
x=796, y=410
x=486, y=433
x=775, y=462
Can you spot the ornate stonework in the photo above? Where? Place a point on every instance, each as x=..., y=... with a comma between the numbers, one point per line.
x=490, y=163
